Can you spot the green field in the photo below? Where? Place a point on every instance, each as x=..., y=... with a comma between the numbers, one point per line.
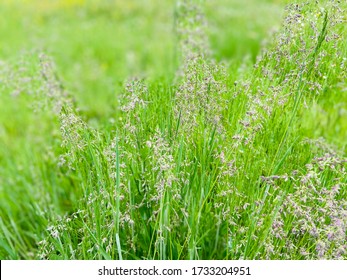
x=173, y=130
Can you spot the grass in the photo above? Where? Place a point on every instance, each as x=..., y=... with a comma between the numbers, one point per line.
x=152, y=130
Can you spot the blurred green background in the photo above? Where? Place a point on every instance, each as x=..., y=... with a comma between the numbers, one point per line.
x=97, y=44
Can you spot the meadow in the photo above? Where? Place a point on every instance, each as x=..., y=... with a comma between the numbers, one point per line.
x=173, y=129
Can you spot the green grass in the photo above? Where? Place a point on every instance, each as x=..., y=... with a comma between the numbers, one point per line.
x=159, y=130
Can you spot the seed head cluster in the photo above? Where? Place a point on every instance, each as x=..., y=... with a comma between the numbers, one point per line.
x=205, y=167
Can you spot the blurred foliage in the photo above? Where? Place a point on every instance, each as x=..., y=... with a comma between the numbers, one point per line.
x=98, y=44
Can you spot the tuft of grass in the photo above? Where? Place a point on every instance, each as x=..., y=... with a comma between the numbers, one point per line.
x=201, y=160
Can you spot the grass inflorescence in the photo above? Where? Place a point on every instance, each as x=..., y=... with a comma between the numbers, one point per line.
x=207, y=163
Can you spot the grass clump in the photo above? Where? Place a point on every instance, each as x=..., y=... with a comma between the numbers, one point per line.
x=211, y=164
